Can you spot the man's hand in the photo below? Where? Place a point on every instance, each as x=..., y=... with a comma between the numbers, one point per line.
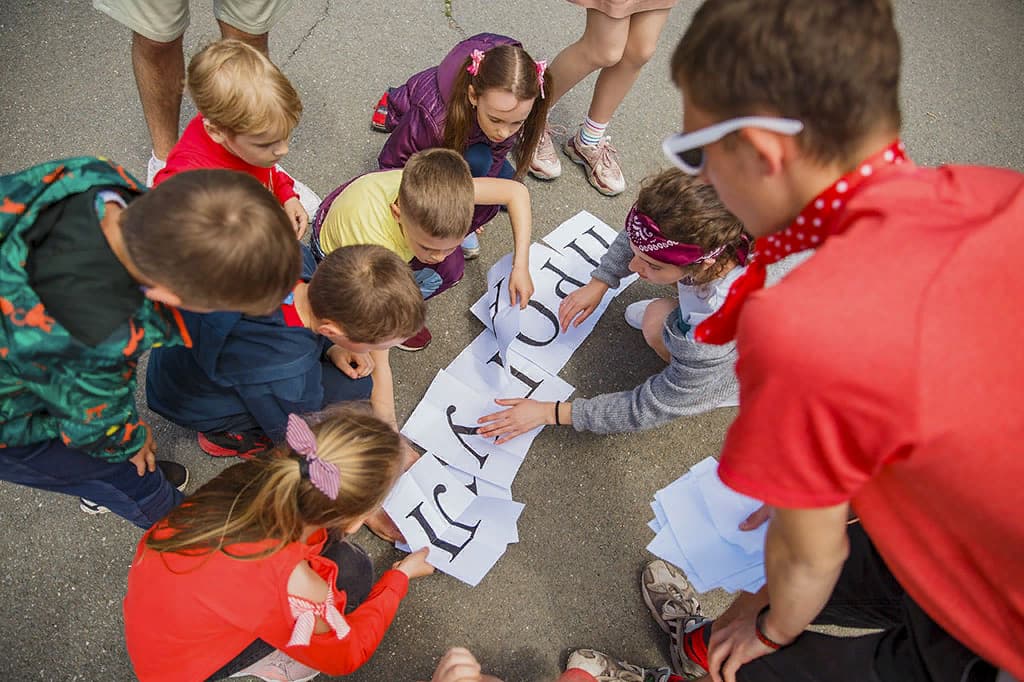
x=578, y=306
x=523, y=415
x=298, y=216
x=344, y=360
x=733, y=645
x=145, y=459
x=757, y=518
x=520, y=287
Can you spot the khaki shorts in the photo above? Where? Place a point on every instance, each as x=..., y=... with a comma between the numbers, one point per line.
x=166, y=20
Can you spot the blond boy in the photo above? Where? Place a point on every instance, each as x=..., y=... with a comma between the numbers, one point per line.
x=247, y=112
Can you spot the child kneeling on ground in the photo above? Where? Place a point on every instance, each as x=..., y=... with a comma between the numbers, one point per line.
x=678, y=232
x=422, y=212
x=253, y=571
x=326, y=343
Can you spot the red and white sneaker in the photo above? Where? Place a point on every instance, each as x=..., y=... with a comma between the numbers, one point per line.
x=244, y=444
x=418, y=342
x=380, y=115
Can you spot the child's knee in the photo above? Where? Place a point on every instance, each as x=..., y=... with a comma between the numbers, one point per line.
x=637, y=55
x=604, y=51
x=654, y=322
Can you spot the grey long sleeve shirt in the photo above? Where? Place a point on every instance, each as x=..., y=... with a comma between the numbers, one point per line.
x=699, y=378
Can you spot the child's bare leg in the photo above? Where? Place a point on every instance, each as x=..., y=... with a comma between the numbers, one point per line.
x=617, y=78
x=654, y=323
x=601, y=45
x=260, y=42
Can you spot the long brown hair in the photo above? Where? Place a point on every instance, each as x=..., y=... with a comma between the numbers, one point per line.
x=689, y=211
x=506, y=67
x=267, y=498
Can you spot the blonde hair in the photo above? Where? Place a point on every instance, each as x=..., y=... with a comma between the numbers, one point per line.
x=237, y=88
x=267, y=498
x=369, y=292
x=437, y=193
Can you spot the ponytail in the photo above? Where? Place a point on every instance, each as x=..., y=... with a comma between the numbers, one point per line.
x=267, y=497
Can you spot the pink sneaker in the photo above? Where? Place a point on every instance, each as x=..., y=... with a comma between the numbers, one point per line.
x=545, y=164
x=601, y=162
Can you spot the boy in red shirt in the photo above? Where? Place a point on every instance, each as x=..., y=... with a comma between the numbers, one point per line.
x=880, y=378
x=247, y=112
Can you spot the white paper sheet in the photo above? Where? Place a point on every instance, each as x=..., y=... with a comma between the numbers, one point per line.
x=728, y=509
x=583, y=240
x=445, y=423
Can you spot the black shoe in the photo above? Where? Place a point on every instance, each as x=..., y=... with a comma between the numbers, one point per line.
x=176, y=474
x=244, y=444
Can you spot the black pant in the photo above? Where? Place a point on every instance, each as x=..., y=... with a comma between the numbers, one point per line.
x=355, y=578
x=910, y=648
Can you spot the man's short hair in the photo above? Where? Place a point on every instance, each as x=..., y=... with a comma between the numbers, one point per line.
x=237, y=88
x=437, y=193
x=369, y=292
x=216, y=238
x=833, y=65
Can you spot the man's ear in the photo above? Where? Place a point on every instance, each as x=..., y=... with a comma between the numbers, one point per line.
x=161, y=294
x=473, y=97
x=773, y=150
x=395, y=210
x=216, y=134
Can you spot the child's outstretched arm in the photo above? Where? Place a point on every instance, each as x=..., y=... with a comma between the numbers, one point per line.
x=522, y=415
x=614, y=266
x=516, y=197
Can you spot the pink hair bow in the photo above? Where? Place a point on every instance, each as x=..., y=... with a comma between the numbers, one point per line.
x=324, y=475
x=475, y=57
x=542, y=66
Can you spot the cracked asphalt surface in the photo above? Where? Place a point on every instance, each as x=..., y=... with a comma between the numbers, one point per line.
x=571, y=581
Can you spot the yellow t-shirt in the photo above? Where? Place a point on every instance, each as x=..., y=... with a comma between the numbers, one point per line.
x=362, y=215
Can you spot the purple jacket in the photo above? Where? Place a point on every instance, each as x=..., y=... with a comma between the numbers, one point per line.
x=416, y=110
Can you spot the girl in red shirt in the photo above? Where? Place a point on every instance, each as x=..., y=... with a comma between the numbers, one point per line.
x=253, y=572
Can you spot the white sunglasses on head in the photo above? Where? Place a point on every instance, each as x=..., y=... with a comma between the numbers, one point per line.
x=686, y=150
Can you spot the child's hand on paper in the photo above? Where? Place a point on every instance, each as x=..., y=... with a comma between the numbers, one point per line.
x=415, y=565
x=577, y=306
x=520, y=286
x=298, y=216
x=523, y=415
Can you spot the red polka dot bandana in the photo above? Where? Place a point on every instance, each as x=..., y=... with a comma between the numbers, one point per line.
x=809, y=230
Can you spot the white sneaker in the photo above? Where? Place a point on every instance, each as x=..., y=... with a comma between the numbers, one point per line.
x=309, y=199
x=635, y=313
x=545, y=164
x=155, y=166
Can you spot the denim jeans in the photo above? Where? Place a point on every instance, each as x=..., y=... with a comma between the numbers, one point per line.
x=53, y=466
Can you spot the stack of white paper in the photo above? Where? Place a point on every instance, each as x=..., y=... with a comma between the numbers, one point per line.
x=696, y=525
x=457, y=499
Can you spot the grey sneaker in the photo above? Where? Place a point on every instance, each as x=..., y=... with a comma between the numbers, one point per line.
x=674, y=606
x=602, y=164
x=607, y=669
x=545, y=164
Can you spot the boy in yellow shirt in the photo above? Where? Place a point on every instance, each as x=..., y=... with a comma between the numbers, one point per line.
x=423, y=212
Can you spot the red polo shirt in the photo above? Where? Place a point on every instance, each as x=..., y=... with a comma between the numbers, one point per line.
x=888, y=370
x=196, y=149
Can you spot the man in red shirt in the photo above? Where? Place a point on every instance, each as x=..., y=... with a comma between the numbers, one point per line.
x=883, y=378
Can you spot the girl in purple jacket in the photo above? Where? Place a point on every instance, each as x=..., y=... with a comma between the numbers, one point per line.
x=484, y=98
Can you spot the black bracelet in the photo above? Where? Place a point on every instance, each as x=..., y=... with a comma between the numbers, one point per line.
x=557, y=422
x=763, y=638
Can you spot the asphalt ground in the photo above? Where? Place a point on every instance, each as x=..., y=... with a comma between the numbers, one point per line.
x=571, y=581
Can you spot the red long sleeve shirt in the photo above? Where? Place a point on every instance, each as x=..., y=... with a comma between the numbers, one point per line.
x=196, y=149
x=186, y=616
